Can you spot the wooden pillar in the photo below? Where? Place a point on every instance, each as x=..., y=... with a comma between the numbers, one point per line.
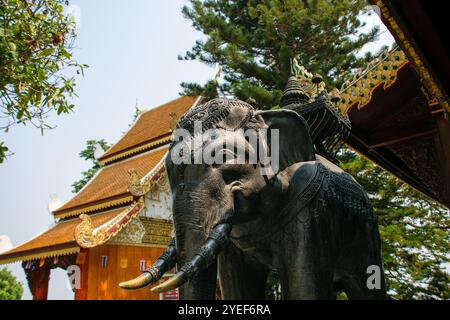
x=41, y=277
x=82, y=261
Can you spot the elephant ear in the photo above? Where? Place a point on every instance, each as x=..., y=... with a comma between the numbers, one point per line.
x=295, y=144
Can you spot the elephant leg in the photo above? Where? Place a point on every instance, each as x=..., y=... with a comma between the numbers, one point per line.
x=239, y=278
x=304, y=268
x=299, y=282
x=355, y=287
x=359, y=272
x=366, y=285
x=202, y=286
x=343, y=282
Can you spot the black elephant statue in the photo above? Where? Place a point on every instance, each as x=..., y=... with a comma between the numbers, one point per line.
x=307, y=219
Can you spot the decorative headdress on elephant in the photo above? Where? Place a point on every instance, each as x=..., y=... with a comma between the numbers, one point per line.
x=233, y=114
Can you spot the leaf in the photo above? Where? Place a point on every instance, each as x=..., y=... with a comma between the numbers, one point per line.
x=29, y=65
x=47, y=52
x=12, y=46
x=65, y=53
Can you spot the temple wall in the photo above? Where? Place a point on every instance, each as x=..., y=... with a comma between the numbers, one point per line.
x=122, y=263
x=141, y=242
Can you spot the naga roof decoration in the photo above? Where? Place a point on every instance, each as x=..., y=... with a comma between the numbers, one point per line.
x=139, y=187
x=382, y=71
x=56, y=241
x=88, y=235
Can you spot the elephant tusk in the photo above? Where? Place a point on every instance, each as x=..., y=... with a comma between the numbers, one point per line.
x=176, y=281
x=137, y=283
x=165, y=262
x=205, y=256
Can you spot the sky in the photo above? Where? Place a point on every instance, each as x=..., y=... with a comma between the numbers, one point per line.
x=132, y=48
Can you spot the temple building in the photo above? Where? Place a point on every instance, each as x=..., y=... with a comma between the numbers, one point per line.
x=394, y=112
x=118, y=224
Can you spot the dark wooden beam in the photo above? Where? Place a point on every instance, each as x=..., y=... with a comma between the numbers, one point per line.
x=388, y=161
x=396, y=135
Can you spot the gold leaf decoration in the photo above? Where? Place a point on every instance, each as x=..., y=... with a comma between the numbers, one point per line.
x=88, y=237
x=139, y=187
x=380, y=72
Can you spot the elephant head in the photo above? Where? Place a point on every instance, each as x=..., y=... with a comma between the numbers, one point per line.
x=218, y=179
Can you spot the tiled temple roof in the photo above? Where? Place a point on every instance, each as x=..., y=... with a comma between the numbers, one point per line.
x=141, y=149
x=110, y=186
x=149, y=130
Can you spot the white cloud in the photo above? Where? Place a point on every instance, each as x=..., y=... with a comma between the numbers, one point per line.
x=5, y=243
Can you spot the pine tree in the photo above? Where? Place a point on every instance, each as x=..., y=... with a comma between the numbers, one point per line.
x=254, y=42
x=413, y=228
x=88, y=154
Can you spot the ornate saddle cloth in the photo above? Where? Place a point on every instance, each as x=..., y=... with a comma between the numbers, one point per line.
x=322, y=190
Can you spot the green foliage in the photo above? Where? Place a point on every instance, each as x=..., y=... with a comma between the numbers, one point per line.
x=273, y=289
x=341, y=296
x=254, y=42
x=88, y=154
x=3, y=151
x=36, y=43
x=414, y=232
x=10, y=288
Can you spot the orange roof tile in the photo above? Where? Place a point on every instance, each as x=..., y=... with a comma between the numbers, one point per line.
x=58, y=237
x=110, y=184
x=151, y=125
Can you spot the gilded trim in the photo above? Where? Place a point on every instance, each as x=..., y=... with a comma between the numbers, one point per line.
x=136, y=150
x=139, y=187
x=103, y=205
x=380, y=72
x=129, y=244
x=427, y=79
x=36, y=256
x=88, y=237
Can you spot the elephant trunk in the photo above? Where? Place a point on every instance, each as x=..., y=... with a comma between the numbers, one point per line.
x=205, y=257
x=165, y=262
